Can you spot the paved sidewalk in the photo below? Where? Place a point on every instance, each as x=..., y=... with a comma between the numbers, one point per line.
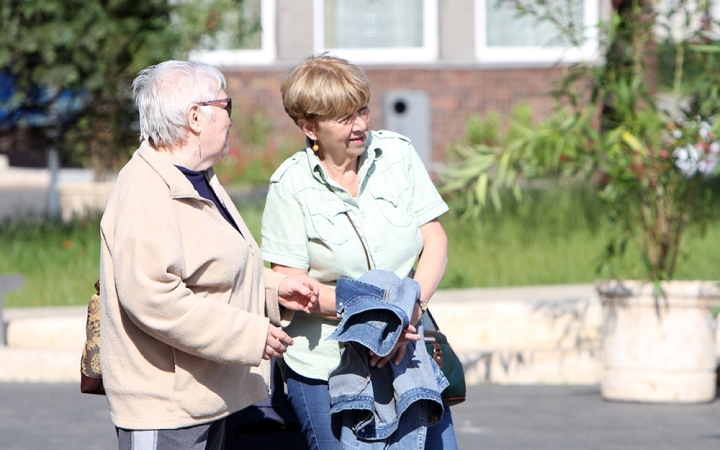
x=55, y=416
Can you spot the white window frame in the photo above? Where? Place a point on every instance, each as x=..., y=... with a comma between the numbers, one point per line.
x=268, y=46
x=538, y=55
x=403, y=55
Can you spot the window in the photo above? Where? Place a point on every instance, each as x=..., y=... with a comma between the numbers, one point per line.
x=501, y=37
x=257, y=46
x=377, y=31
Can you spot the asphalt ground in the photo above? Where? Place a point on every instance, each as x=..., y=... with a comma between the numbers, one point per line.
x=57, y=416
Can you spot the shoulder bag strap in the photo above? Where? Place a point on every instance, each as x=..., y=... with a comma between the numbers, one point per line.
x=367, y=256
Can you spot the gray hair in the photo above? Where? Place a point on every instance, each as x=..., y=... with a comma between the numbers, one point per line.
x=164, y=92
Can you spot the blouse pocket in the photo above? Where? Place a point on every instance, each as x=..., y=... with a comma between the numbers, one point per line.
x=328, y=221
x=395, y=203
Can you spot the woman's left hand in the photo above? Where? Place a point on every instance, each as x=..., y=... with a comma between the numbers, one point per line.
x=409, y=334
x=299, y=293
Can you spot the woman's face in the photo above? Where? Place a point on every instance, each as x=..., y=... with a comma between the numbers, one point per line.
x=342, y=137
x=214, y=134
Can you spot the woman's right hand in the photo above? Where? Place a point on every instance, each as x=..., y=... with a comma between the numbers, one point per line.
x=276, y=343
x=408, y=335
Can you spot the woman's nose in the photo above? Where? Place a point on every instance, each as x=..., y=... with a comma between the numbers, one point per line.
x=360, y=122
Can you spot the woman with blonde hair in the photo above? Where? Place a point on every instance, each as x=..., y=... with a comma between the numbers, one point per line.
x=351, y=201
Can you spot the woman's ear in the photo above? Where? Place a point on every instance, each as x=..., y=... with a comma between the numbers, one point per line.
x=307, y=128
x=193, y=117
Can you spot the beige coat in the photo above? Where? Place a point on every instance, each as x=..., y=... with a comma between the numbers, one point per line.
x=185, y=304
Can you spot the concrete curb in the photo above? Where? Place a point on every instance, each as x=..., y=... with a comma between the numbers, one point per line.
x=517, y=335
x=523, y=335
x=43, y=344
x=40, y=365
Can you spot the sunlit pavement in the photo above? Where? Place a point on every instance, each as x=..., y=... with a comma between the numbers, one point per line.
x=57, y=416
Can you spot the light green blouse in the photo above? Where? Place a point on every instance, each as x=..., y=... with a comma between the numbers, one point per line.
x=304, y=226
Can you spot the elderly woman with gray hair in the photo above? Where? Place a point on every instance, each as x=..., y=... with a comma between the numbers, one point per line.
x=189, y=315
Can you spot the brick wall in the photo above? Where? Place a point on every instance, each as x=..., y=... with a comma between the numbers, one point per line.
x=455, y=94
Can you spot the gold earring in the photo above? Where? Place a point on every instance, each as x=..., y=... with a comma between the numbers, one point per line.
x=199, y=149
x=315, y=146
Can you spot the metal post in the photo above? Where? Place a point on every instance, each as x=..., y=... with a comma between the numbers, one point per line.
x=8, y=283
x=53, y=195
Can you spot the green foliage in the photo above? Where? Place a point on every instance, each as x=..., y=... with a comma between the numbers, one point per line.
x=95, y=48
x=495, y=157
x=258, y=155
x=653, y=168
x=699, y=85
x=255, y=130
x=218, y=24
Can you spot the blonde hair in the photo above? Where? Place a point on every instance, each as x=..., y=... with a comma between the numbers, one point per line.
x=324, y=85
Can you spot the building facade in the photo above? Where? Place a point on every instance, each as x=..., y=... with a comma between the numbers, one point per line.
x=431, y=63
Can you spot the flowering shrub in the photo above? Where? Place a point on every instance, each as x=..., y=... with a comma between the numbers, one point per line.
x=652, y=163
x=700, y=150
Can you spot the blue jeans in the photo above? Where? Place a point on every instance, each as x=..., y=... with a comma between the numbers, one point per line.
x=442, y=435
x=311, y=401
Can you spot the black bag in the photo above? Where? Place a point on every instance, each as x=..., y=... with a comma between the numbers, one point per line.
x=268, y=424
x=440, y=351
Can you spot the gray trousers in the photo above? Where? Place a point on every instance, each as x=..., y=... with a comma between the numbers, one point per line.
x=208, y=436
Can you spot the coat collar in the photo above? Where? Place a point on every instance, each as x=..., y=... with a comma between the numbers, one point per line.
x=176, y=181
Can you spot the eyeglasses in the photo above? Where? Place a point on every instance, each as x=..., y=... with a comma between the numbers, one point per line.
x=227, y=107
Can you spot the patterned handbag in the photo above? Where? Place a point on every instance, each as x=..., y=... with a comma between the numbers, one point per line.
x=90, y=373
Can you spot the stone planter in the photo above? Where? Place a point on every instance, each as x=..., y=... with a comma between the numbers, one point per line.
x=658, y=349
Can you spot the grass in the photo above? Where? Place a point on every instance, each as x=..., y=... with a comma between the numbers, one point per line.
x=557, y=237
x=554, y=236
x=59, y=262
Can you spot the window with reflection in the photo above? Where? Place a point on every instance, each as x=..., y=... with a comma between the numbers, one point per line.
x=237, y=32
x=503, y=36
x=377, y=30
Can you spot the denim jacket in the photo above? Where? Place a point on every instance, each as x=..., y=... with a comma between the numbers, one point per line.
x=396, y=403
